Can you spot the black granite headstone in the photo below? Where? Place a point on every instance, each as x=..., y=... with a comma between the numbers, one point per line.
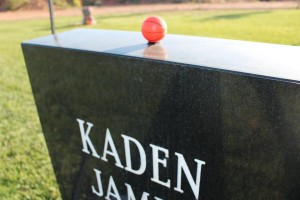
x=190, y=118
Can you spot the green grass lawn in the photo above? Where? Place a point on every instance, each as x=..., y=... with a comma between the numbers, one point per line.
x=25, y=168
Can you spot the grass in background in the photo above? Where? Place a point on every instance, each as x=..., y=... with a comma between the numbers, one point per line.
x=282, y=26
x=25, y=168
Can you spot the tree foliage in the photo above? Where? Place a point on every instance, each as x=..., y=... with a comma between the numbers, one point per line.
x=13, y=4
x=39, y=4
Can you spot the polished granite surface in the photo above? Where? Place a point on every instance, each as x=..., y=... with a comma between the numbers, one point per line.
x=271, y=60
x=244, y=127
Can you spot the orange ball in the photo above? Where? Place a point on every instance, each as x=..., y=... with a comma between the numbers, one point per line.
x=154, y=29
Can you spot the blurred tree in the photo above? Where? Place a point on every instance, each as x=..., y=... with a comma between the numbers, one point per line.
x=38, y=4
x=75, y=2
x=13, y=4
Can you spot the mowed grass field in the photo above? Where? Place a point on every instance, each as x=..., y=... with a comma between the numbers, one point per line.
x=25, y=167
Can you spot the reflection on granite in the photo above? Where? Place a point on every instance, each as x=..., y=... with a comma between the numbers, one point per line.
x=155, y=51
x=245, y=128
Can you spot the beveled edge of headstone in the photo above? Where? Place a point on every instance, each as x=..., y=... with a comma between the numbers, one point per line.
x=272, y=61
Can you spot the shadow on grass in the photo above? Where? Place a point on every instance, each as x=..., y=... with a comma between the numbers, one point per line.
x=98, y=19
x=101, y=17
x=235, y=16
x=62, y=27
x=296, y=44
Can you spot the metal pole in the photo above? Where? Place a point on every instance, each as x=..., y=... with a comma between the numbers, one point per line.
x=50, y=3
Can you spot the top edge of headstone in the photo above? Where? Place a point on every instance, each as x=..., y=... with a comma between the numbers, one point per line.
x=259, y=59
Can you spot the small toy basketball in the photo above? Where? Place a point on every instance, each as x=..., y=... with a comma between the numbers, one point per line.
x=154, y=29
